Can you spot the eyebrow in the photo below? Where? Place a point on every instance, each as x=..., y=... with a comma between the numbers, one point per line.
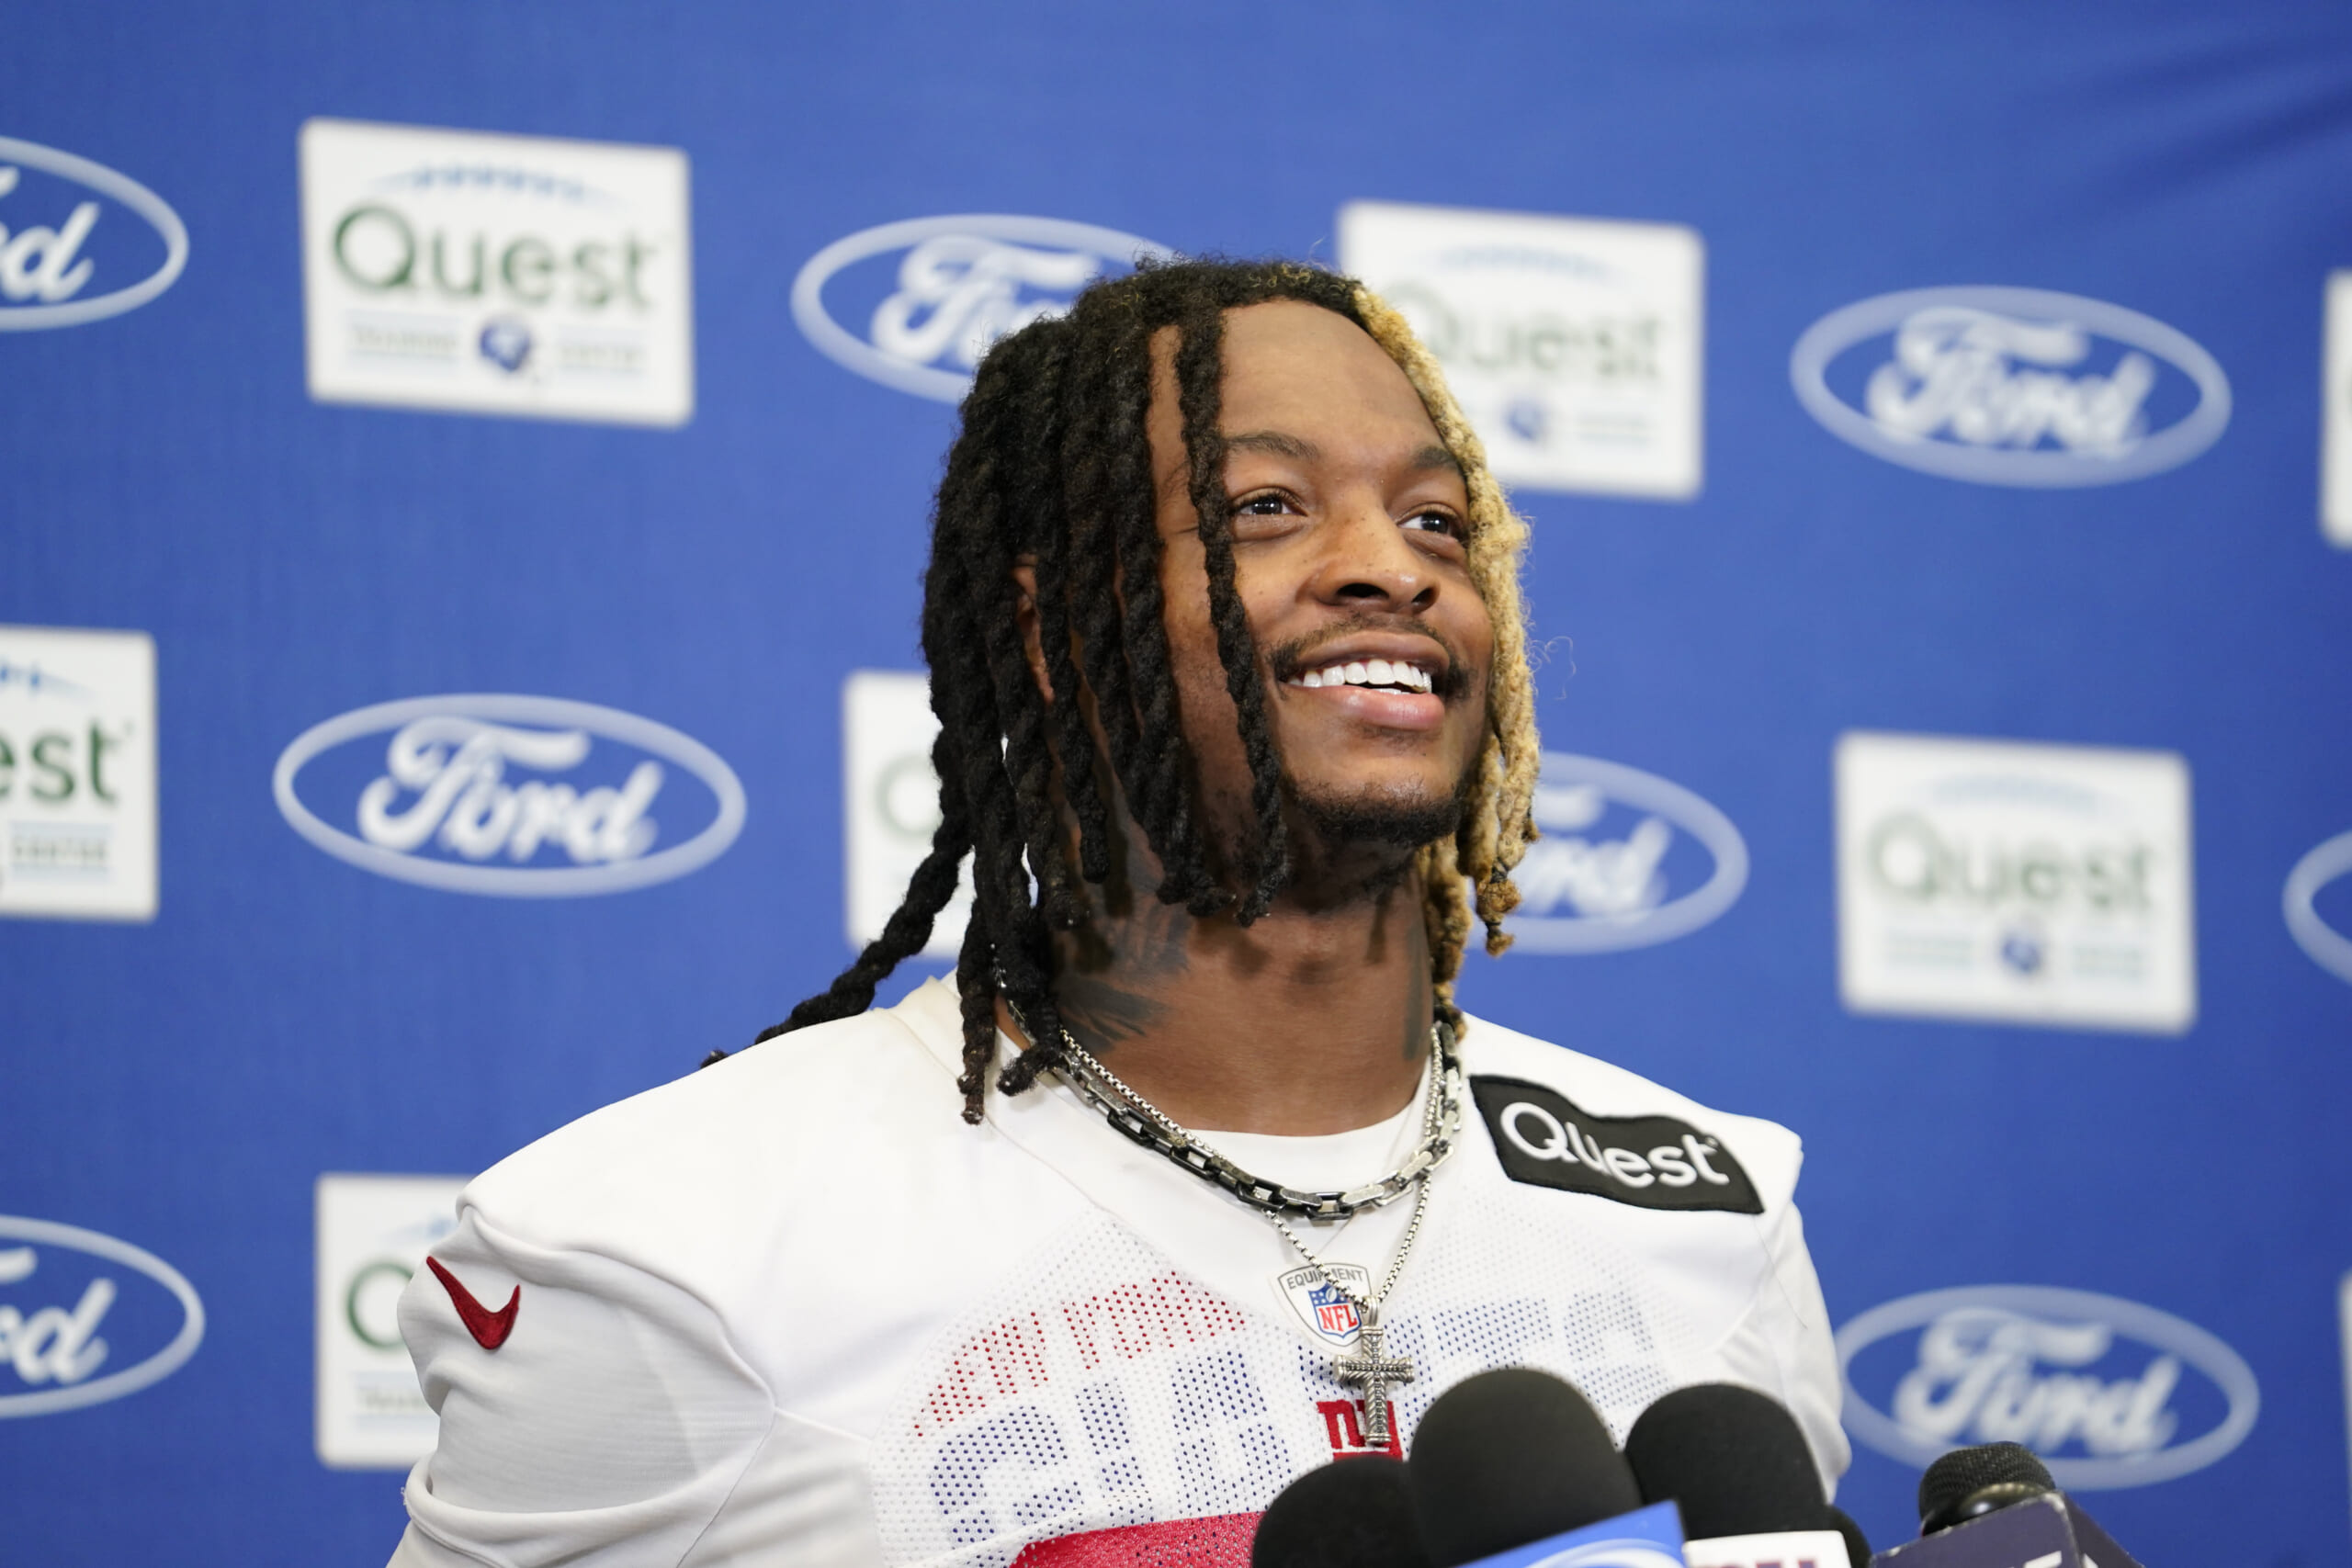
x=1429, y=458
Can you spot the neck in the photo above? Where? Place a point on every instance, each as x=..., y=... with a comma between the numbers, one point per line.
x=1314, y=1020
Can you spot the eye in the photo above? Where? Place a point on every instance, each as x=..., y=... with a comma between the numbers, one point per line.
x=1436, y=520
x=1265, y=503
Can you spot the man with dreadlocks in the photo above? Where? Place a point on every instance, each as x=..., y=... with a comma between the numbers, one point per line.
x=1236, y=735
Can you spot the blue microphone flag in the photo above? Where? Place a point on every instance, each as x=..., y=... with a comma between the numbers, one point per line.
x=1646, y=1538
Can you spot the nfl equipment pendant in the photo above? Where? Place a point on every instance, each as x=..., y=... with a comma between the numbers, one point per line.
x=1336, y=1293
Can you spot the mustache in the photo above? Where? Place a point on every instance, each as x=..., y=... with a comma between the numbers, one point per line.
x=1289, y=659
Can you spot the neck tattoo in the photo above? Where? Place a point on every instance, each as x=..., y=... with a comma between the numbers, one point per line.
x=1371, y=1368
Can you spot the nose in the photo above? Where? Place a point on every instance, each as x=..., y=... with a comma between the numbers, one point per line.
x=1368, y=565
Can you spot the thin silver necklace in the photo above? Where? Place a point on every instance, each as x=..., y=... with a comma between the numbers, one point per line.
x=1370, y=1368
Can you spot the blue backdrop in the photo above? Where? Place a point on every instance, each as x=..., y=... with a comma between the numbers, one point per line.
x=180, y=1083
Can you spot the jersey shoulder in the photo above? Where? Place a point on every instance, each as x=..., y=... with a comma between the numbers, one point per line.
x=1768, y=1154
x=720, y=1158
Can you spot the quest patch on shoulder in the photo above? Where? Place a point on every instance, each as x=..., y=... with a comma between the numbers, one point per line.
x=1651, y=1162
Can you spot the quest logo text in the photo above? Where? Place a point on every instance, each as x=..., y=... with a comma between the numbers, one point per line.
x=373, y=1233
x=915, y=304
x=515, y=275
x=2110, y=1392
x=2003, y=880
x=78, y=241
x=1627, y=859
x=2011, y=386
x=434, y=790
x=1574, y=345
x=77, y=774
x=85, y=1318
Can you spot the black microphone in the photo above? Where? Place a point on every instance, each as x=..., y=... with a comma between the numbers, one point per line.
x=1858, y=1545
x=1737, y=1465
x=1352, y=1513
x=1509, y=1457
x=1968, y=1482
x=1994, y=1505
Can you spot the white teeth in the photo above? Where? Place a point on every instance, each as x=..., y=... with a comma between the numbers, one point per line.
x=1372, y=672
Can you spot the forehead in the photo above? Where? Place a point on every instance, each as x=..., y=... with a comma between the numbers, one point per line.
x=1305, y=371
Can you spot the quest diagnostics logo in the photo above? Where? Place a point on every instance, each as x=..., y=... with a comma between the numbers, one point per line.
x=2011, y=386
x=517, y=275
x=2110, y=1392
x=2017, y=881
x=510, y=796
x=1574, y=344
x=78, y=241
x=372, y=1235
x=85, y=1318
x=1627, y=859
x=915, y=304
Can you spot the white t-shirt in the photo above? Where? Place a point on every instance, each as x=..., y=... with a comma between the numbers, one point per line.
x=793, y=1310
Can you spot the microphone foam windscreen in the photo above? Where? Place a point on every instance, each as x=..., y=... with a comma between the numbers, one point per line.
x=1351, y=1512
x=1858, y=1545
x=1509, y=1457
x=1951, y=1478
x=1733, y=1460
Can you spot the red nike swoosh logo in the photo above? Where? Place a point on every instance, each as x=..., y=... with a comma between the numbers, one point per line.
x=489, y=1328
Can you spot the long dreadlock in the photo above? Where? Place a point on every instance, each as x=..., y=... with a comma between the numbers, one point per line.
x=1053, y=466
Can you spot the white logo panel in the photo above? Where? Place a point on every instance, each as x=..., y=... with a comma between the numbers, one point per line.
x=2107, y=1393
x=890, y=804
x=2011, y=386
x=77, y=774
x=2019, y=883
x=2335, y=412
x=959, y=282
x=2344, y=1331
x=373, y=1233
x=1574, y=345
x=515, y=275
x=447, y=806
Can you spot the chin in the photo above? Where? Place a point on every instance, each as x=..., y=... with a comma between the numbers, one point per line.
x=1403, y=817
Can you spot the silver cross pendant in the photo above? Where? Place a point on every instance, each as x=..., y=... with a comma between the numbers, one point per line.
x=1374, y=1370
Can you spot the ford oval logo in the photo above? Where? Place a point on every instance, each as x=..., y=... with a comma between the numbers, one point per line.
x=2330, y=949
x=514, y=796
x=1627, y=859
x=56, y=246
x=2011, y=386
x=2108, y=1391
x=85, y=1318
x=960, y=283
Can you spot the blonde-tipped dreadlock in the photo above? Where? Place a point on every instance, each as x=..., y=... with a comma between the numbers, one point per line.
x=1495, y=829
x=1052, y=468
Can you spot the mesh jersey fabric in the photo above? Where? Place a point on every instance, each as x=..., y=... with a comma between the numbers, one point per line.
x=793, y=1309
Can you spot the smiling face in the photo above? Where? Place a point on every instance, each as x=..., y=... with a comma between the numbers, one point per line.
x=1348, y=522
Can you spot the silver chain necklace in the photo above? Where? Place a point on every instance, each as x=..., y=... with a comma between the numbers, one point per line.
x=1370, y=1368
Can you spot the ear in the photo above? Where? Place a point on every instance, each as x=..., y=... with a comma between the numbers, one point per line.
x=1024, y=616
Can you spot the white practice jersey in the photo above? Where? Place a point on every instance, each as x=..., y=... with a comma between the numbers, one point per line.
x=793, y=1310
